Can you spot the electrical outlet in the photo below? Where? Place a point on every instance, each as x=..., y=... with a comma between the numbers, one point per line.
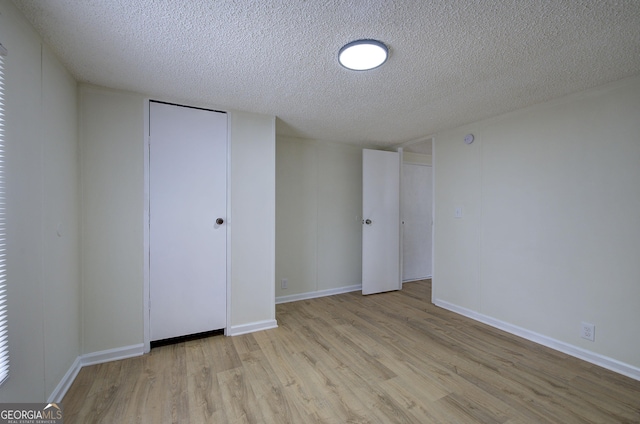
x=284, y=283
x=588, y=331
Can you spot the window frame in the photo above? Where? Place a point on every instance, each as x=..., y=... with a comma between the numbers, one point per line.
x=4, y=343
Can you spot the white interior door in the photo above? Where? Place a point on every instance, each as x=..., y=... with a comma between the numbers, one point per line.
x=417, y=221
x=381, y=221
x=187, y=194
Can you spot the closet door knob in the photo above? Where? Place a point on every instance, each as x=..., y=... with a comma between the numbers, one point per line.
x=219, y=221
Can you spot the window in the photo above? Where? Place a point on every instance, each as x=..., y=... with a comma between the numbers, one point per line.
x=4, y=348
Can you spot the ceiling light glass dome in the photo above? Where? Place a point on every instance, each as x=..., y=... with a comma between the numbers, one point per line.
x=362, y=55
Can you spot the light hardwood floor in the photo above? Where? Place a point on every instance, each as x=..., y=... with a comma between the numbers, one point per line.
x=386, y=358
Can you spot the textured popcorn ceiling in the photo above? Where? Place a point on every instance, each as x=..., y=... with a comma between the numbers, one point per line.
x=451, y=62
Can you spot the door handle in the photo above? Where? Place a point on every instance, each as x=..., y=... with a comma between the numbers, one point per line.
x=219, y=221
x=367, y=221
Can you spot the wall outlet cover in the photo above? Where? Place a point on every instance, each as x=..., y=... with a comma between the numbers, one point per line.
x=588, y=331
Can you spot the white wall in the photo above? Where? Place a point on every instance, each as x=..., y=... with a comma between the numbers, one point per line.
x=42, y=213
x=112, y=162
x=550, y=232
x=416, y=158
x=252, y=222
x=318, y=217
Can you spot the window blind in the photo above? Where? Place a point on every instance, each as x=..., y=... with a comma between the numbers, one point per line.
x=4, y=348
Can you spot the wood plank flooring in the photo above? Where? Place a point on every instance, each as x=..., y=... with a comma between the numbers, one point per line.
x=385, y=358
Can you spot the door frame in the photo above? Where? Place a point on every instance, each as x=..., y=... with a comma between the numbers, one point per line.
x=146, y=269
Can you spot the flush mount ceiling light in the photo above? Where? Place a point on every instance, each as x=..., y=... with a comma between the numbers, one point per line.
x=362, y=55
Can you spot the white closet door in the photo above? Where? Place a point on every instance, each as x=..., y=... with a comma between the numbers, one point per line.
x=417, y=218
x=187, y=194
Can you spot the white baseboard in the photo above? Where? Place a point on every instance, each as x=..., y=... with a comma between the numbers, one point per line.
x=64, y=384
x=578, y=352
x=92, y=359
x=411, y=280
x=252, y=327
x=112, y=354
x=321, y=293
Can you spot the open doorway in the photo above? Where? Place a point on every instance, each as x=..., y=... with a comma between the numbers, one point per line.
x=417, y=211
